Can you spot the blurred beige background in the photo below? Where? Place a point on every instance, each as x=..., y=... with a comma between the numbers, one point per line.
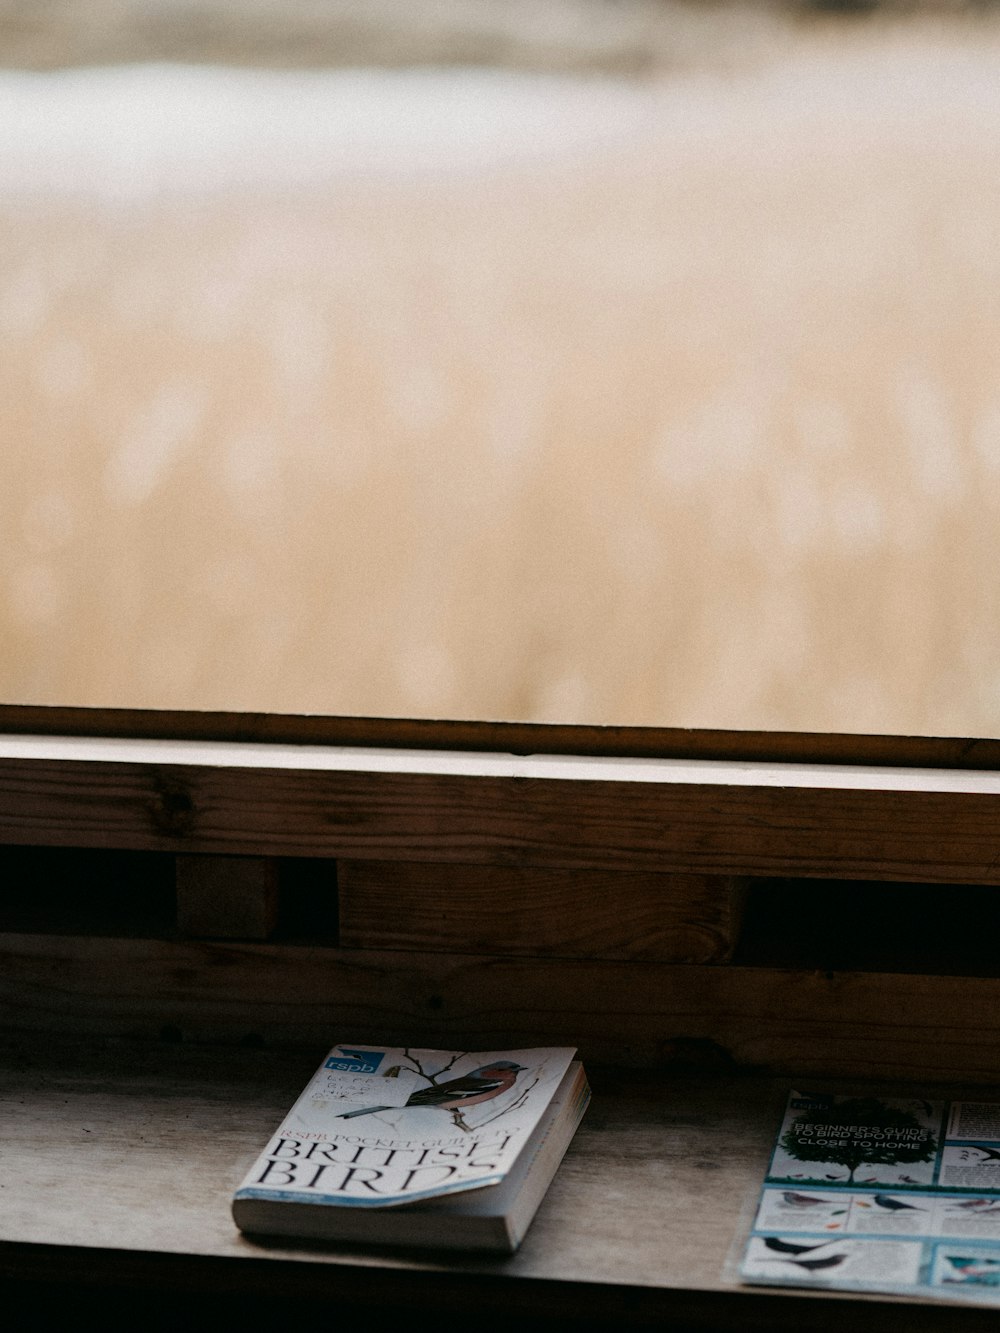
x=628, y=363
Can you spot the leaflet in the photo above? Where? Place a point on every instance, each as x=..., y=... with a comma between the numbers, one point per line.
x=890, y=1194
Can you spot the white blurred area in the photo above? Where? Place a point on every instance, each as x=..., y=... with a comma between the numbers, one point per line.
x=510, y=393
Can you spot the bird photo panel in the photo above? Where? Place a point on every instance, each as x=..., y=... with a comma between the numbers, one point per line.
x=873, y=1192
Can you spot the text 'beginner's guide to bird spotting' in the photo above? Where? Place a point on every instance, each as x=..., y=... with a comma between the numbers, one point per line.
x=378, y=1126
x=889, y=1194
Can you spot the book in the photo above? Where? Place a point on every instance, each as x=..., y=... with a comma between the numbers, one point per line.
x=398, y=1146
x=896, y=1193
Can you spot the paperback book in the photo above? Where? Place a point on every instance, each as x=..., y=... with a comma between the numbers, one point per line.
x=897, y=1194
x=400, y=1146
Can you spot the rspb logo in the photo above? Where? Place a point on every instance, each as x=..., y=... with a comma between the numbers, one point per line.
x=810, y=1102
x=355, y=1062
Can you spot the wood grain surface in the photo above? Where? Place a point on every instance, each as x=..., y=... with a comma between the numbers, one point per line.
x=139, y=1076
x=512, y=910
x=123, y=1159
x=702, y=817
x=502, y=737
x=654, y=1015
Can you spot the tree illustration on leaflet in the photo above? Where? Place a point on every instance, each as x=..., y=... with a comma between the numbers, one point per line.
x=859, y=1131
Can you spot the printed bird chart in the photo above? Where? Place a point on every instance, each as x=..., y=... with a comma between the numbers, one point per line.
x=891, y=1194
x=377, y=1126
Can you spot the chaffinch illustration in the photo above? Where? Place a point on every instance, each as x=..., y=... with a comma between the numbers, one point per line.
x=467, y=1090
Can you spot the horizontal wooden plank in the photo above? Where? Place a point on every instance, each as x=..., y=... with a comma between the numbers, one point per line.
x=693, y=818
x=515, y=910
x=628, y=1013
x=636, y=1229
x=505, y=737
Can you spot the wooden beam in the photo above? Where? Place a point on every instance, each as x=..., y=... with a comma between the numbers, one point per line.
x=514, y=910
x=892, y=1026
x=504, y=737
x=700, y=817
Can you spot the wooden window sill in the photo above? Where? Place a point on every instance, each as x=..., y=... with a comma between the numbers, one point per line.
x=123, y=1157
x=195, y=907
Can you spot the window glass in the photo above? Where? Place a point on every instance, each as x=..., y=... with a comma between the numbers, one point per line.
x=596, y=361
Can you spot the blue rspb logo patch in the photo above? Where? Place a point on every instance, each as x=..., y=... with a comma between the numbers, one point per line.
x=355, y=1062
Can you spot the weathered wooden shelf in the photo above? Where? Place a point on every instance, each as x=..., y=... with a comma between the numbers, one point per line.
x=126, y=1155
x=194, y=907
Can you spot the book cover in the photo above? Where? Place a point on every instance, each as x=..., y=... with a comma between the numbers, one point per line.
x=381, y=1138
x=895, y=1193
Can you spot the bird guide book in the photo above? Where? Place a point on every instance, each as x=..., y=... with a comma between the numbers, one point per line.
x=414, y=1147
x=884, y=1193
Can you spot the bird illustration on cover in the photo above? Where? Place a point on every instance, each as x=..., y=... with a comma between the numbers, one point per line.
x=481, y=1085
